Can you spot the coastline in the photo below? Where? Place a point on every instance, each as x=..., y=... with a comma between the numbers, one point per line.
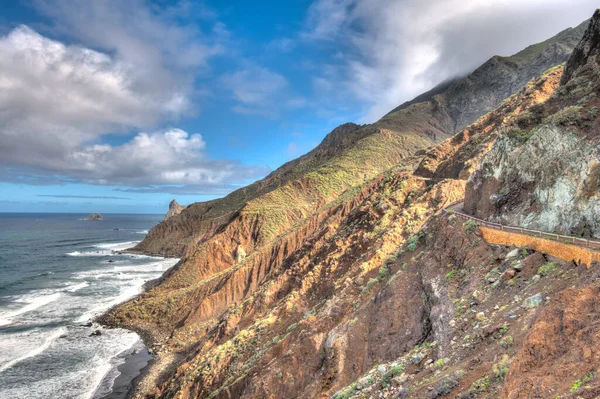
x=140, y=371
x=135, y=367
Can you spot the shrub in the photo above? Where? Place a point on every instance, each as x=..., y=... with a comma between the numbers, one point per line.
x=440, y=363
x=567, y=116
x=579, y=383
x=384, y=270
x=547, y=268
x=451, y=276
x=501, y=368
x=391, y=373
x=481, y=385
x=470, y=226
x=507, y=341
x=292, y=327
x=413, y=241
x=447, y=384
x=518, y=134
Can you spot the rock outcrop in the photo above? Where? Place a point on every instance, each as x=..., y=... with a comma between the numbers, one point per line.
x=174, y=209
x=543, y=172
x=94, y=216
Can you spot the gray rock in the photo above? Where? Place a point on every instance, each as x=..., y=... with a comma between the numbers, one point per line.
x=533, y=301
x=513, y=254
x=417, y=358
x=381, y=368
x=535, y=279
x=518, y=267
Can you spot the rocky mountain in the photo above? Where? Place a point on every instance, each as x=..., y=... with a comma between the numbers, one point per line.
x=338, y=275
x=174, y=209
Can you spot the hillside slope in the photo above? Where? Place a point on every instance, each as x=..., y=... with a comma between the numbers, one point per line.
x=299, y=284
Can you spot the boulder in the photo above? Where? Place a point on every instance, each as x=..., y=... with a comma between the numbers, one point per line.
x=533, y=301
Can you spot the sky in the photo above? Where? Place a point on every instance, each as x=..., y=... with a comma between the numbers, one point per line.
x=121, y=106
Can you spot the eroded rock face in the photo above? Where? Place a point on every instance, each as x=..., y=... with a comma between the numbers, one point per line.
x=174, y=209
x=550, y=183
x=567, y=334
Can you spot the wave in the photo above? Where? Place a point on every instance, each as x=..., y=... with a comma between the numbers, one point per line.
x=89, y=253
x=142, y=232
x=117, y=246
x=36, y=302
x=39, y=349
x=129, y=292
x=76, y=287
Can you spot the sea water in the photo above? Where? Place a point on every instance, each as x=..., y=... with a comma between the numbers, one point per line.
x=57, y=272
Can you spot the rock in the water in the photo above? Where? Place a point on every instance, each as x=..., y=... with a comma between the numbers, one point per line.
x=87, y=324
x=94, y=216
x=533, y=301
x=96, y=333
x=174, y=209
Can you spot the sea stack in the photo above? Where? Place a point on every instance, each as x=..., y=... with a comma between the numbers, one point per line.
x=94, y=216
x=174, y=209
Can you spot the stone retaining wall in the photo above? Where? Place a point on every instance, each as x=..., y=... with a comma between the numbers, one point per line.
x=559, y=250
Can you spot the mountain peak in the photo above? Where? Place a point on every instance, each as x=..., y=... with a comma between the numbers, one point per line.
x=174, y=209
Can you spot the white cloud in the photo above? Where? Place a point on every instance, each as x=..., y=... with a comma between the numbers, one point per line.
x=260, y=91
x=254, y=85
x=132, y=69
x=57, y=102
x=392, y=51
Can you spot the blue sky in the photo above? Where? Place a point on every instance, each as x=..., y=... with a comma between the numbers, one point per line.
x=114, y=106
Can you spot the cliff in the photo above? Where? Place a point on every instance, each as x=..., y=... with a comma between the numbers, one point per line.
x=338, y=276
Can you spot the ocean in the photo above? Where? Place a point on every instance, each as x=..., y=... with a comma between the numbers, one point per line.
x=57, y=272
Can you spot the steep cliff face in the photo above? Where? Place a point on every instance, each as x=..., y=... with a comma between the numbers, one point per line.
x=543, y=172
x=336, y=275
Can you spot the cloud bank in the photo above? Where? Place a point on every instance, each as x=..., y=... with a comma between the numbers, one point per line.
x=390, y=51
x=60, y=104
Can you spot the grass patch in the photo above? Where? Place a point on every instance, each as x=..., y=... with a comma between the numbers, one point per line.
x=547, y=269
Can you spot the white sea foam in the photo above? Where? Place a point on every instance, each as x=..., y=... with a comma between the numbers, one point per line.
x=36, y=350
x=76, y=287
x=33, y=302
x=142, y=232
x=117, y=246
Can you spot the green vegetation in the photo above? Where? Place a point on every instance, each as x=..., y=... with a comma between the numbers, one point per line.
x=292, y=327
x=412, y=243
x=547, y=268
x=347, y=393
x=384, y=270
x=481, y=385
x=440, y=363
x=519, y=135
x=579, y=383
x=447, y=384
x=391, y=373
x=567, y=116
x=507, y=341
x=501, y=368
x=470, y=226
x=451, y=276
